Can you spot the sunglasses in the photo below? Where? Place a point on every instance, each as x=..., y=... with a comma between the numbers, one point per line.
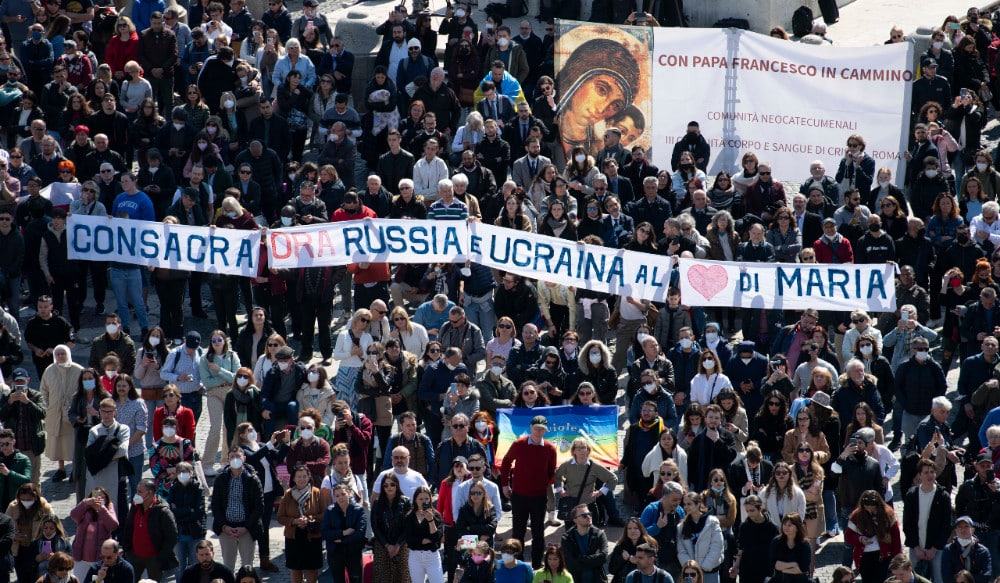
x=773, y=403
x=372, y=354
x=365, y=320
x=476, y=468
x=458, y=425
x=433, y=350
x=242, y=376
x=764, y=173
x=804, y=449
x=781, y=473
x=88, y=190
x=505, y=326
x=476, y=493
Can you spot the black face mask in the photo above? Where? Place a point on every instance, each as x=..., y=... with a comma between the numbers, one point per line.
x=962, y=238
x=692, y=138
x=874, y=228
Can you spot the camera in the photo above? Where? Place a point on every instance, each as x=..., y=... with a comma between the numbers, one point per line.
x=427, y=505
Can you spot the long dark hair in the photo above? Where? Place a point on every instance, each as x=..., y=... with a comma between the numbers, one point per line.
x=877, y=524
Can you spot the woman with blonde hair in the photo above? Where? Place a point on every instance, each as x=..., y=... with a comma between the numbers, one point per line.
x=411, y=335
x=351, y=351
x=267, y=360
x=122, y=48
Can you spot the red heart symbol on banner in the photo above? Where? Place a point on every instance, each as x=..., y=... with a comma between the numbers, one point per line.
x=708, y=281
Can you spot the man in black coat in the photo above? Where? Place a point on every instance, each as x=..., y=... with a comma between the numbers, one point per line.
x=692, y=142
x=175, y=139
x=150, y=546
x=237, y=522
x=158, y=181
x=272, y=129
x=929, y=87
x=396, y=164
x=713, y=448
x=809, y=224
x=112, y=568
x=217, y=76
x=207, y=566
x=518, y=128
x=493, y=152
x=638, y=168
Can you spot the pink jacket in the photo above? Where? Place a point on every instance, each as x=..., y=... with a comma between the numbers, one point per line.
x=89, y=548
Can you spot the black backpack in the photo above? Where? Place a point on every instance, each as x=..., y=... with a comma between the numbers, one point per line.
x=802, y=21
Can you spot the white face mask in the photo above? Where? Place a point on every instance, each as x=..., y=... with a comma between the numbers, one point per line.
x=178, y=126
x=306, y=434
x=921, y=355
x=202, y=146
x=111, y=373
x=169, y=431
x=964, y=541
x=481, y=426
x=866, y=350
x=283, y=365
x=649, y=387
x=503, y=42
x=154, y=341
x=252, y=435
x=465, y=271
x=981, y=167
x=229, y=104
x=242, y=382
x=313, y=376
x=686, y=343
x=496, y=370
x=137, y=499
x=28, y=503
x=580, y=158
x=507, y=558
x=937, y=45
x=569, y=347
x=449, y=365
x=746, y=360
x=711, y=337
x=883, y=183
x=66, y=364
x=709, y=364
x=111, y=328
x=184, y=478
x=595, y=357
x=460, y=13
x=930, y=173
x=236, y=463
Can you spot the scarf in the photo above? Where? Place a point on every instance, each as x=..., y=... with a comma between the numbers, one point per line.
x=556, y=225
x=347, y=480
x=486, y=439
x=302, y=497
x=656, y=424
x=242, y=399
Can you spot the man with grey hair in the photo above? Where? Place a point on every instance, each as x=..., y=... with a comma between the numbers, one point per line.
x=651, y=207
x=935, y=429
x=376, y=197
x=447, y=207
x=440, y=99
x=917, y=382
x=432, y=314
x=985, y=225
x=340, y=151
x=460, y=189
x=661, y=519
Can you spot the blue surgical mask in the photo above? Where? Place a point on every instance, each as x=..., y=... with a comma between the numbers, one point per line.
x=36, y=35
x=232, y=214
x=89, y=384
x=286, y=221
x=718, y=489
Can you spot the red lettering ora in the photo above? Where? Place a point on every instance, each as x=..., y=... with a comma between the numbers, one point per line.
x=291, y=244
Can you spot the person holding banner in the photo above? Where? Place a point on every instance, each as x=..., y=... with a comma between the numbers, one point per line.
x=534, y=460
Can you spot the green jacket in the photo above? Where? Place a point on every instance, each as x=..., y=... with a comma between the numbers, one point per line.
x=34, y=412
x=20, y=473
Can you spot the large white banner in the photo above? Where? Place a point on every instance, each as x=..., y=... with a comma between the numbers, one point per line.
x=788, y=286
x=368, y=241
x=151, y=244
x=614, y=271
x=790, y=103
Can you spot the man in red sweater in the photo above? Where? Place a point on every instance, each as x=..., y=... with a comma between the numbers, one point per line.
x=535, y=463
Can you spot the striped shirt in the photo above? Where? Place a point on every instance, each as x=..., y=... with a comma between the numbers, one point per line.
x=133, y=414
x=442, y=211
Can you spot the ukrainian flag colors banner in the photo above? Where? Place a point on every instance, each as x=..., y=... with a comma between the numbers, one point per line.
x=598, y=425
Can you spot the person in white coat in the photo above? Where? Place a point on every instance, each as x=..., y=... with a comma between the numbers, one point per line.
x=782, y=495
x=699, y=537
x=666, y=448
x=108, y=476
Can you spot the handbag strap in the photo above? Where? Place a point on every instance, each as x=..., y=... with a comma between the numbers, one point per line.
x=583, y=484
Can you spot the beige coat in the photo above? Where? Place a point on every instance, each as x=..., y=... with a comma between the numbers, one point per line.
x=58, y=386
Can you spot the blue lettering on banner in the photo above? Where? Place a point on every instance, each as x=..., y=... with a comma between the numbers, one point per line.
x=353, y=236
x=839, y=278
x=750, y=283
x=644, y=277
x=150, y=247
x=219, y=248
x=791, y=279
x=108, y=234
x=192, y=255
x=544, y=253
x=474, y=244
x=876, y=282
x=420, y=240
x=81, y=234
x=173, y=250
x=524, y=260
x=814, y=283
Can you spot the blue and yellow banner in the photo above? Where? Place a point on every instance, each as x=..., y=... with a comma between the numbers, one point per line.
x=598, y=425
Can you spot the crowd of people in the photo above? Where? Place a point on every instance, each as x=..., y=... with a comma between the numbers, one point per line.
x=750, y=436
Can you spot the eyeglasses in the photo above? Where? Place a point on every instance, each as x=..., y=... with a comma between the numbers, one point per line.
x=218, y=340
x=774, y=403
x=242, y=376
x=476, y=468
x=664, y=474
x=764, y=173
x=583, y=515
x=370, y=353
x=122, y=26
x=476, y=493
x=273, y=345
x=804, y=449
x=6, y=444
x=584, y=393
x=414, y=50
x=781, y=473
x=65, y=172
x=458, y=426
x=528, y=393
x=15, y=156
x=365, y=320
x=690, y=574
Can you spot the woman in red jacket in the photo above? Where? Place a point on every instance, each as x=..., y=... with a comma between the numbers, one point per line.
x=122, y=47
x=172, y=408
x=873, y=531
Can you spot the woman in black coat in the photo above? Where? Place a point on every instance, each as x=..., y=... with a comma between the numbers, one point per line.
x=477, y=516
x=391, y=555
x=770, y=424
x=970, y=71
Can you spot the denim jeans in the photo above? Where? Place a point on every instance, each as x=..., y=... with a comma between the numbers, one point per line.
x=193, y=401
x=10, y=293
x=989, y=539
x=126, y=284
x=133, y=481
x=184, y=549
x=847, y=558
x=288, y=411
x=935, y=574
x=482, y=315
x=830, y=508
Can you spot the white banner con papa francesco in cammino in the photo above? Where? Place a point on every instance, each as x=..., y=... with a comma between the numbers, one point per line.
x=790, y=103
